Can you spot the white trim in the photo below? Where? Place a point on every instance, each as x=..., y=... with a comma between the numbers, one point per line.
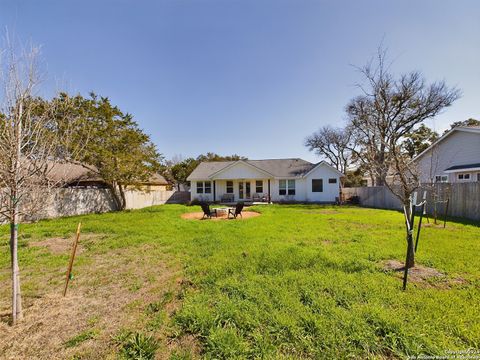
x=323, y=162
x=464, y=170
x=463, y=178
x=441, y=180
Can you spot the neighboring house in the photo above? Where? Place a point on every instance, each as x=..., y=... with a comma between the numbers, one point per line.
x=264, y=181
x=455, y=157
x=74, y=175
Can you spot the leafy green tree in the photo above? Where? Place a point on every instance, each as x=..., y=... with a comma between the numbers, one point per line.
x=354, y=178
x=181, y=170
x=419, y=140
x=468, y=122
x=117, y=150
x=215, y=157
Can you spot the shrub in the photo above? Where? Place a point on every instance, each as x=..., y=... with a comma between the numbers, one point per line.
x=139, y=347
x=354, y=200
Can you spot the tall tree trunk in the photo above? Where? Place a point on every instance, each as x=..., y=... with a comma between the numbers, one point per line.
x=409, y=223
x=122, y=196
x=118, y=195
x=410, y=251
x=115, y=197
x=17, y=313
x=14, y=218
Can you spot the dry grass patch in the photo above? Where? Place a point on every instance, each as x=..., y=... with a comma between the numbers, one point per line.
x=58, y=245
x=109, y=293
x=423, y=275
x=418, y=272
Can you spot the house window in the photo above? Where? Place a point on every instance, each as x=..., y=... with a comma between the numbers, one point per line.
x=208, y=187
x=286, y=187
x=259, y=186
x=204, y=187
x=291, y=187
x=229, y=187
x=463, y=176
x=317, y=185
x=332, y=180
x=441, y=178
x=478, y=177
x=282, y=190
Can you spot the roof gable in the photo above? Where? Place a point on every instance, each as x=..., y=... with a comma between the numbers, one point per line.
x=252, y=170
x=470, y=129
x=325, y=164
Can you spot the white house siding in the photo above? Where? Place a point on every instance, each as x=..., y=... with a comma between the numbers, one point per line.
x=330, y=191
x=244, y=172
x=299, y=190
x=459, y=148
x=200, y=197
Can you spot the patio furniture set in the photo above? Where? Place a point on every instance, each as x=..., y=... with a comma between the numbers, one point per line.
x=234, y=212
x=230, y=198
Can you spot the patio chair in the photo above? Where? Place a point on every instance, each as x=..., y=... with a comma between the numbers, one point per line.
x=237, y=211
x=256, y=197
x=207, y=212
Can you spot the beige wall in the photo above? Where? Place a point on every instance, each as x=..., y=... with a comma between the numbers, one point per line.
x=78, y=201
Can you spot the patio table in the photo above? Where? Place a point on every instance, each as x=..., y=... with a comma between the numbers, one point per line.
x=223, y=211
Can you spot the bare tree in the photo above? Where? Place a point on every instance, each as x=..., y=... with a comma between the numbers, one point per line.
x=31, y=144
x=334, y=145
x=388, y=109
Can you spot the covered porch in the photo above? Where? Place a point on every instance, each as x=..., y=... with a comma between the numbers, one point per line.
x=250, y=191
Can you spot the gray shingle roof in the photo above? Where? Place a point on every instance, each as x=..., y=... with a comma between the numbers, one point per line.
x=276, y=167
x=464, y=167
x=69, y=173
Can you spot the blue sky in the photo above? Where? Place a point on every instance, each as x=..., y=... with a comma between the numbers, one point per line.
x=247, y=77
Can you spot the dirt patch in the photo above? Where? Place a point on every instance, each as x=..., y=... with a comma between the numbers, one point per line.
x=418, y=273
x=109, y=293
x=57, y=245
x=64, y=245
x=426, y=276
x=199, y=216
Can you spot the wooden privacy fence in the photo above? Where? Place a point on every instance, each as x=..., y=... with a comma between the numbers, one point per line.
x=464, y=198
x=78, y=201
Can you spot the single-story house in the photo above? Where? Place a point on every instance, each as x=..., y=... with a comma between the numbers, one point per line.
x=272, y=180
x=455, y=157
x=78, y=176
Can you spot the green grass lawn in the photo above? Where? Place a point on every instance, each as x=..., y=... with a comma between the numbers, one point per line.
x=295, y=282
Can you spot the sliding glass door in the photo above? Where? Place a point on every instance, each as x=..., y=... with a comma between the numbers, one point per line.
x=244, y=191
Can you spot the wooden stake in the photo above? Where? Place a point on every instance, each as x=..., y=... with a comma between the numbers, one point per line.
x=70, y=264
x=420, y=225
x=446, y=212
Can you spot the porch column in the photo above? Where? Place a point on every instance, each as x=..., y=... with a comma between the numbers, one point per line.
x=269, y=197
x=214, y=190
